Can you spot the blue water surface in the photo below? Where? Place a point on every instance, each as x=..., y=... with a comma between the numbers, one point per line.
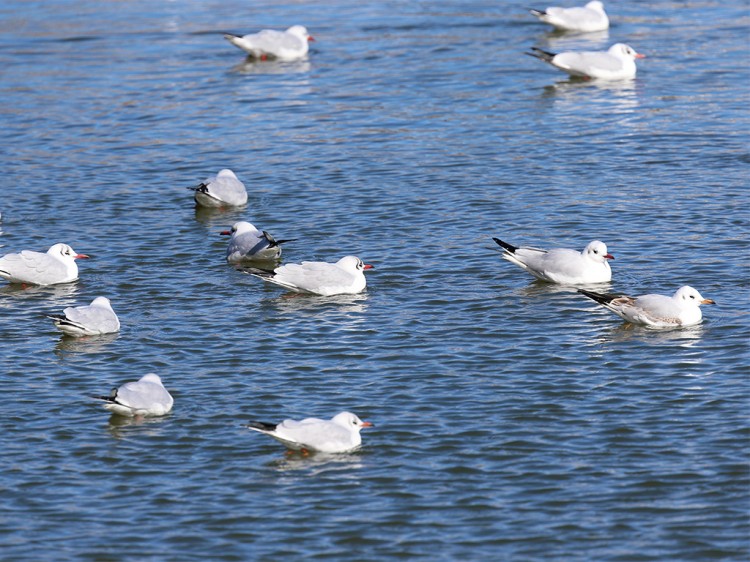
x=513, y=420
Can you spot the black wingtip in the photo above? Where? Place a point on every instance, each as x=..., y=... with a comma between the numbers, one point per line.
x=280, y=242
x=510, y=247
x=272, y=242
x=538, y=53
x=203, y=188
x=601, y=298
x=263, y=426
x=63, y=321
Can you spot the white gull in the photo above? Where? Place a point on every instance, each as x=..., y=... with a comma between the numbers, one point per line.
x=590, y=17
x=346, y=276
x=92, y=320
x=562, y=265
x=340, y=434
x=655, y=311
x=55, y=266
x=247, y=243
x=616, y=63
x=221, y=190
x=145, y=397
x=289, y=45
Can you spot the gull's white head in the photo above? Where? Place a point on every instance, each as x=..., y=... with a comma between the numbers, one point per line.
x=690, y=296
x=350, y=421
x=243, y=226
x=101, y=301
x=151, y=377
x=597, y=251
x=65, y=251
x=301, y=32
x=226, y=173
x=623, y=51
x=353, y=264
x=595, y=5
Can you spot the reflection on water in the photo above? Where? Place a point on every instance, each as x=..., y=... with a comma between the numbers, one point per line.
x=617, y=96
x=293, y=303
x=54, y=296
x=395, y=137
x=319, y=463
x=121, y=427
x=218, y=217
x=539, y=288
x=624, y=331
x=559, y=40
x=86, y=344
x=246, y=266
x=255, y=66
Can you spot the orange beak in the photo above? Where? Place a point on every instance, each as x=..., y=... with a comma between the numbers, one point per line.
x=708, y=301
x=367, y=424
x=80, y=256
x=640, y=56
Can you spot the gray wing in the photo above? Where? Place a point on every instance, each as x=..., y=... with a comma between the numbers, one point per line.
x=93, y=318
x=657, y=307
x=35, y=267
x=273, y=42
x=229, y=190
x=587, y=62
x=312, y=276
x=142, y=395
x=246, y=246
x=314, y=433
x=573, y=17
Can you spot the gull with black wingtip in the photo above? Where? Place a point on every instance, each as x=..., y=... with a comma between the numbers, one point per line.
x=144, y=397
x=346, y=276
x=93, y=320
x=562, y=265
x=655, y=311
x=340, y=434
x=289, y=45
x=221, y=190
x=588, y=18
x=247, y=243
x=55, y=266
x=616, y=63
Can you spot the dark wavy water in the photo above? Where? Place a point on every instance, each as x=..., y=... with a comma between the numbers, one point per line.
x=514, y=420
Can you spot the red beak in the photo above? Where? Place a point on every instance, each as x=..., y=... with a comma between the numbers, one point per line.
x=80, y=256
x=369, y=266
x=310, y=38
x=225, y=233
x=367, y=424
x=609, y=256
x=640, y=56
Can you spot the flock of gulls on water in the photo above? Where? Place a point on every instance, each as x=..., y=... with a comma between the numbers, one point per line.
x=250, y=246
